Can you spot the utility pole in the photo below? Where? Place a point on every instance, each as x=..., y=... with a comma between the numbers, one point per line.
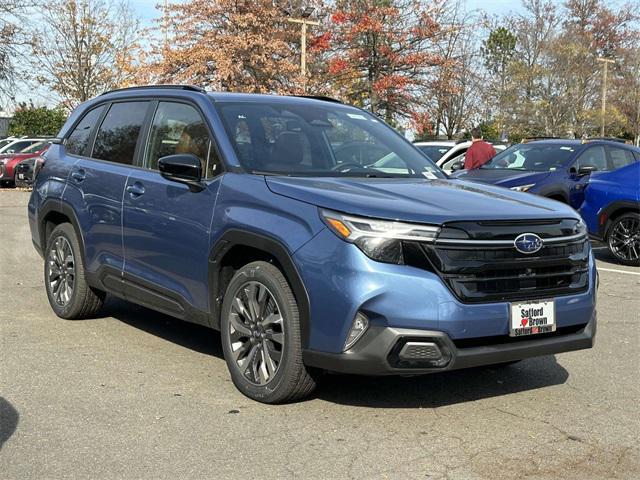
x=165, y=23
x=304, y=21
x=606, y=62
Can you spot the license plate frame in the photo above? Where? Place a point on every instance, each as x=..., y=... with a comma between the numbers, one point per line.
x=525, y=317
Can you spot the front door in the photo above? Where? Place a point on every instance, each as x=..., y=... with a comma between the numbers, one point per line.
x=594, y=156
x=167, y=226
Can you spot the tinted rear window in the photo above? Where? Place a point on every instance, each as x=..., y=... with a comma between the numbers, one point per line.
x=117, y=137
x=78, y=142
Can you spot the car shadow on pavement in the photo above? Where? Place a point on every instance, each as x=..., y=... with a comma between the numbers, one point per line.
x=441, y=389
x=195, y=337
x=425, y=391
x=8, y=420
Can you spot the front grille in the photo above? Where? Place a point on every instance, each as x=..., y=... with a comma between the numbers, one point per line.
x=482, y=269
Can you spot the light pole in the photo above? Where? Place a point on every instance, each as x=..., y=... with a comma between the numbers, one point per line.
x=606, y=62
x=304, y=21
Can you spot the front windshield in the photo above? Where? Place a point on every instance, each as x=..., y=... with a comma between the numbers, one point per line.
x=532, y=157
x=304, y=139
x=434, y=152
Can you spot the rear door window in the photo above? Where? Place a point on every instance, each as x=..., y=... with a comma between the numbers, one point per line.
x=118, y=135
x=620, y=157
x=77, y=142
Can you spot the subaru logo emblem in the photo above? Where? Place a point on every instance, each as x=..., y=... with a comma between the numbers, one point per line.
x=528, y=243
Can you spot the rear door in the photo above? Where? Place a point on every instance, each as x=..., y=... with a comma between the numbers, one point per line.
x=99, y=179
x=167, y=225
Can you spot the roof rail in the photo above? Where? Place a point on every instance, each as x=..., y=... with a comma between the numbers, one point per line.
x=607, y=139
x=533, y=139
x=192, y=88
x=319, y=97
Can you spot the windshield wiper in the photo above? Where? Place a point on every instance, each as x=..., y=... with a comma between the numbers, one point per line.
x=270, y=174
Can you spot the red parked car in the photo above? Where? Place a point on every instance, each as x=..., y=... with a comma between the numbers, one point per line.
x=8, y=162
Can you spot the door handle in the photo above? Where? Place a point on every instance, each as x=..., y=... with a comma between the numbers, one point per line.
x=78, y=175
x=135, y=190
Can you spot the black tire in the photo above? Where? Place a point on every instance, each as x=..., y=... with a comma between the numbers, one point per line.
x=629, y=255
x=291, y=380
x=83, y=301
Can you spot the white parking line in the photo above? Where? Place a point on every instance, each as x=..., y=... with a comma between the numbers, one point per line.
x=617, y=271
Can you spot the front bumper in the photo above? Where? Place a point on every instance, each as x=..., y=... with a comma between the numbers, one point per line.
x=374, y=354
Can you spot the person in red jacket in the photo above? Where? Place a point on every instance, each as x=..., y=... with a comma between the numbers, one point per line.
x=479, y=153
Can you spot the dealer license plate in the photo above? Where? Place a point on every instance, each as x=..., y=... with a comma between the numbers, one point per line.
x=530, y=318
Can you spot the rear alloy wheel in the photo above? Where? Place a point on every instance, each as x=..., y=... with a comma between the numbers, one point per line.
x=69, y=294
x=61, y=271
x=623, y=239
x=261, y=339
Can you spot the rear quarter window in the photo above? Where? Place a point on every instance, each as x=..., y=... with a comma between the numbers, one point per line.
x=77, y=142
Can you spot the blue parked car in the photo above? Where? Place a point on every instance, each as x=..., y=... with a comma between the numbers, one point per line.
x=234, y=211
x=557, y=169
x=611, y=210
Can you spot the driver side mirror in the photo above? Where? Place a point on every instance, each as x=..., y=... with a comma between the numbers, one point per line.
x=182, y=168
x=585, y=170
x=457, y=166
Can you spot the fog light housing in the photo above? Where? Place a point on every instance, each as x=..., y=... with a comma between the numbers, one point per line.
x=358, y=327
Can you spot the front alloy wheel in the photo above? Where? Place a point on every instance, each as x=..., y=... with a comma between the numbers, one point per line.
x=256, y=333
x=261, y=335
x=624, y=239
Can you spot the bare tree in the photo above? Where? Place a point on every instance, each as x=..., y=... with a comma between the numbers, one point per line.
x=454, y=91
x=84, y=47
x=13, y=19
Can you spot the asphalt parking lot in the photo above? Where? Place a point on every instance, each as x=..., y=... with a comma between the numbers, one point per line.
x=137, y=395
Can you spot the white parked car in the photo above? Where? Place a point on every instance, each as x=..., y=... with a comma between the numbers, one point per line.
x=447, y=153
x=17, y=145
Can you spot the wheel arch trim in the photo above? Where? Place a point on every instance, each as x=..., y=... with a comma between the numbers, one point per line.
x=613, y=208
x=236, y=237
x=58, y=206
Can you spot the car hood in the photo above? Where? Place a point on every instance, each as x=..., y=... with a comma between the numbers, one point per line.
x=504, y=178
x=417, y=200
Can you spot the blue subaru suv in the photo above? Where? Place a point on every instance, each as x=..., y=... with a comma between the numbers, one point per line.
x=557, y=169
x=611, y=210
x=233, y=211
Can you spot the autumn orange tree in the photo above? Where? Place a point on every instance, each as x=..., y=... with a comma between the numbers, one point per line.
x=380, y=53
x=234, y=45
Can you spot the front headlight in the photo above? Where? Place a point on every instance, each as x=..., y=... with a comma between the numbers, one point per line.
x=522, y=188
x=380, y=240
